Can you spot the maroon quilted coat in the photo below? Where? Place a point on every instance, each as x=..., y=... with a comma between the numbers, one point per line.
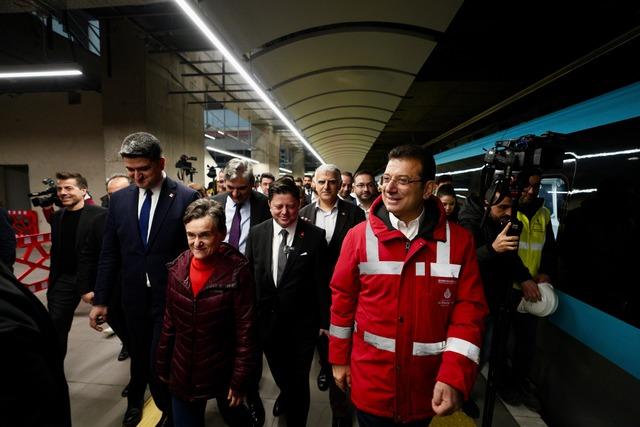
x=207, y=343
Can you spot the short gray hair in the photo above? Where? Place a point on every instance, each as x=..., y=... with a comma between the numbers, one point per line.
x=207, y=207
x=238, y=168
x=328, y=167
x=141, y=144
x=116, y=176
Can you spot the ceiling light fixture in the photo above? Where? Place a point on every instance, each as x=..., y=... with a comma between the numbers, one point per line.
x=229, y=153
x=285, y=170
x=220, y=46
x=38, y=71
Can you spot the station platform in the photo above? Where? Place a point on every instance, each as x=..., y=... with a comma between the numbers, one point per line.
x=96, y=379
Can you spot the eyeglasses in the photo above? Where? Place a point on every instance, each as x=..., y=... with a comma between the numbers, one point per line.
x=362, y=185
x=399, y=180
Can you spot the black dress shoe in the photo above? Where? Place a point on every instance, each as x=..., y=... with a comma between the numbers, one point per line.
x=341, y=422
x=255, y=410
x=125, y=391
x=132, y=417
x=165, y=420
x=124, y=354
x=323, y=380
x=279, y=407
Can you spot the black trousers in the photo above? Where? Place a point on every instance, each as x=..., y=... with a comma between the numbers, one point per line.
x=289, y=358
x=340, y=403
x=144, y=332
x=116, y=317
x=62, y=300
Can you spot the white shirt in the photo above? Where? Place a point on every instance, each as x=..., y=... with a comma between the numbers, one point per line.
x=361, y=206
x=142, y=194
x=410, y=230
x=327, y=220
x=155, y=196
x=245, y=220
x=275, y=246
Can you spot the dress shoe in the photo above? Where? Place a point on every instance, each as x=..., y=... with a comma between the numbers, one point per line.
x=124, y=354
x=132, y=416
x=279, y=407
x=323, y=380
x=166, y=420
x=255, y=410
x=341, y=422
x=125, y=391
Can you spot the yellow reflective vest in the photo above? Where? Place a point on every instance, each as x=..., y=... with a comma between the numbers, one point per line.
x=532, y=239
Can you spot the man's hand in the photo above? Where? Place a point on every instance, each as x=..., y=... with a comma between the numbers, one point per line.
x=97, y=317
x=324, y=332
x=234, y=398
x=88, y=298
x=530, y=291
x=504, y=243
x=342, y=376
x=446, y=399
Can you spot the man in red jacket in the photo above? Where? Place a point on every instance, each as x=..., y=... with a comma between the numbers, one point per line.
x=408, y=304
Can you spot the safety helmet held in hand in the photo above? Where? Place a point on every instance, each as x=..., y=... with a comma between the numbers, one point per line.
x=543, y=308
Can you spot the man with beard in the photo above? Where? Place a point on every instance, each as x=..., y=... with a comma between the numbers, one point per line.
x=364, y=186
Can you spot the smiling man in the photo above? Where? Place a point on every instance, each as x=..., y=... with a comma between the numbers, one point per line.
x=70, y=227
x=292, y=296
x=143, y=233
x=409, y=279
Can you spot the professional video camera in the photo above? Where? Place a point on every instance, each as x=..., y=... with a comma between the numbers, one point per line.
x=46, y=197
x=186, y=167
x=212, y=172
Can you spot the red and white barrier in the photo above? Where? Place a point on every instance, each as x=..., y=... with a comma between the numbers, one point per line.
x=30, y=243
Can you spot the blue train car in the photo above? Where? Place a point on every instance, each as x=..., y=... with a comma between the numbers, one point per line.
x=588, y=357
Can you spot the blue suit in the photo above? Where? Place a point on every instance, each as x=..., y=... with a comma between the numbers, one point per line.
x=124, y=253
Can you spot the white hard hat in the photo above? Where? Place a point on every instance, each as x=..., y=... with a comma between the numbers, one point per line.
x=544, y=307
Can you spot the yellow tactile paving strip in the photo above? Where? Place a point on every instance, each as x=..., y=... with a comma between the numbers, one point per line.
x=151, y=416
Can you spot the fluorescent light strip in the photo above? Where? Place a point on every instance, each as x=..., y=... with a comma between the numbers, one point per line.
x=198, y=22
x=460, y=171
x=285, y=170
x=35, y=74
x=460, y=189
x=229, y=153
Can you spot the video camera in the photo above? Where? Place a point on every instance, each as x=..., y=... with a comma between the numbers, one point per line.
x=186, y=167
x=46, y=197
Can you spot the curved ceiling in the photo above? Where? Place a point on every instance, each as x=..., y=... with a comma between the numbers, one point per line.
x=337, y=69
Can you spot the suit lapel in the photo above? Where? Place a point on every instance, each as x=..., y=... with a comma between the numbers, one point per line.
x=341, y=222
x=167, y=196
x=297, y=248
x=314, y=211
x=268, y=251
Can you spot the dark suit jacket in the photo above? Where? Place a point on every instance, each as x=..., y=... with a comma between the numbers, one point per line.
x=30, y=361
x=91, y=216
x=7, y=240
x=123, y=251
x=300, y=304
x=259, y=206
x=348, y=216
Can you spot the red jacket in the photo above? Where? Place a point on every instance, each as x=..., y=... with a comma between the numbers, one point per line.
x=406, y=314
x=207, y=342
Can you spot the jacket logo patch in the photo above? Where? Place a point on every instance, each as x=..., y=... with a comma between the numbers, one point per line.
x=447, y=299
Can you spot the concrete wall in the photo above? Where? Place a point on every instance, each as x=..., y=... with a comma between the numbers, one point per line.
x=46, y=133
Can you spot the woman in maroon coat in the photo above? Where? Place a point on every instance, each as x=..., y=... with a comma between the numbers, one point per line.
x=207, y=346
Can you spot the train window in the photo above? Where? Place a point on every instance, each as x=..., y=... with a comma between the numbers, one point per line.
x=554, y=191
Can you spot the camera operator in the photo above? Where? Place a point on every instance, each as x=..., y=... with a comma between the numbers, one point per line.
x=70, y=228
x=500, y=267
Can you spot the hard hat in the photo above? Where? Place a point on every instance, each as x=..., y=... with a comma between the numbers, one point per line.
x=544, y=307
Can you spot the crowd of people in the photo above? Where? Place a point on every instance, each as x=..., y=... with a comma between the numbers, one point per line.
x=391, y=282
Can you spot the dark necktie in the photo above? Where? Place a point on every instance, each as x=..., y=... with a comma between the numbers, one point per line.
x=234, y=233
x=143, y=221
x=282, y=254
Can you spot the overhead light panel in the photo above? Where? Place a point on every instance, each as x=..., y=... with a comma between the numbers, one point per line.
x=226, y=53
x=230, y=154
x=39, y=71
x=285, y=170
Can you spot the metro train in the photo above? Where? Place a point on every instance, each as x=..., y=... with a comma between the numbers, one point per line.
x=588, y=357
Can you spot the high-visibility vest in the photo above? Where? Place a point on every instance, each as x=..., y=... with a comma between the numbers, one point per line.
x=532, y=238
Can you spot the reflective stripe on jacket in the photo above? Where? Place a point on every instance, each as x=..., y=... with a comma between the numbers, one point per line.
x=406, y=314
x=532, y=238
